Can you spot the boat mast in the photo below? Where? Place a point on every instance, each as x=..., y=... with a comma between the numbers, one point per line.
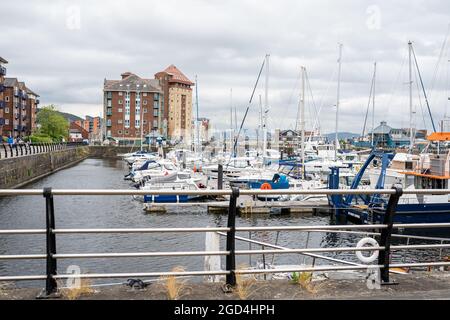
x=337, y=102
x=231, y=120
x=266, y=107
x=198, y=119
x=411, y=138
x=302, y=122
x=373, y=100
x=141, y=123
x=258, y=147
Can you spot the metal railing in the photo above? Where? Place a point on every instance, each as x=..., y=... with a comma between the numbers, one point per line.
x=384, y=248
x=24, y=149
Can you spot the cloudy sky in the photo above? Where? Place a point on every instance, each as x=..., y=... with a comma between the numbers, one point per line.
x=64, y=50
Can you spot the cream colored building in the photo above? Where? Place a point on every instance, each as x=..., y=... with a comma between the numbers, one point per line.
x=178, y=103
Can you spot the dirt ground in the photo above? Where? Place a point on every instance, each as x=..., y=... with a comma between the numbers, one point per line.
x=418, y=285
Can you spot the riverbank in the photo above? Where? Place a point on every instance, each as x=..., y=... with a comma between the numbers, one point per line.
x=417, y=285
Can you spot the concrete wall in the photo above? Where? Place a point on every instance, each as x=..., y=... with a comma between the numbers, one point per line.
x=16, y=172
x=113, y=151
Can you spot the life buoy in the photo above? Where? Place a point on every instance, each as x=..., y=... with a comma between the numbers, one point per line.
x=373, y=256
x=266, y=186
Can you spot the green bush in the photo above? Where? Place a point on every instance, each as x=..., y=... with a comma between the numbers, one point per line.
x=40, y=138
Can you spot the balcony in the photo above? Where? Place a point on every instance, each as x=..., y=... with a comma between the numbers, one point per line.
x=2, y=121
x=37, y=101
x=2, y=104
x=16, y=93
x=16, y=105
x=24, y=128
x=2, y=71
x=108, y=123
x=17, y=128
x=25, y=96
x=2, y=87
x=109, y=112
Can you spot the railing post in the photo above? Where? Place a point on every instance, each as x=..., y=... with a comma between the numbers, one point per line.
x=6, y=151
x=231, y=257
x=50, y=284
x=17, y=150
x=220, y=177
x=385, y=239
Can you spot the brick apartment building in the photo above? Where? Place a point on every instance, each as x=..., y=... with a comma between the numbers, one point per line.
x=20, y=107
x=164, y=105
x=129, y=101
x=92, y=125
x=178, y=99
x=2, y=89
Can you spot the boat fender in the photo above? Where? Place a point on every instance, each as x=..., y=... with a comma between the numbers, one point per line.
x=367, y=241
x=266, y=186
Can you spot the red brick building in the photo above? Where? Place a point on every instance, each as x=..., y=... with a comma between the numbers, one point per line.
x=132, y=107
x=2, y=89
x=20, y=108
x=77, y=133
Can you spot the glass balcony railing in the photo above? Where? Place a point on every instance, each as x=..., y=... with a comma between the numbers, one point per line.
x=2, y=71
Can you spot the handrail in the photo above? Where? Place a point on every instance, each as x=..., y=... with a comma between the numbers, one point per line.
x=383, y=248
x=126, y=192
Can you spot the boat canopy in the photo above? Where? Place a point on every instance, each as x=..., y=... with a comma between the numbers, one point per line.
x=439, y=136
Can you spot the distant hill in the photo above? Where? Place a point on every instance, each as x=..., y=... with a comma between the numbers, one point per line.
x=70, y=117
x=341, y=136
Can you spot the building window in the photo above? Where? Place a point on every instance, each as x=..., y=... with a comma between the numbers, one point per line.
x=127, y=111
x=109, y=103
x=120, y=93
x=127, y=123
x=155, y=105
x=119, y=132
x=144, y=102
x=119, y=110
x=155, y=123
x=126, y=131
x=155, y=112
x=108, y=133
x=137, y=123
x=120, y=102
x=145, y=121
x=6, y=110
x=156, y=96
x=119, y=121
x=144, y=94
x=7, y=98
x=6, y=121
x=145, y=110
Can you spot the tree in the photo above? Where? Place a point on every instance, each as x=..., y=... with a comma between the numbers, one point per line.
x=52, y=124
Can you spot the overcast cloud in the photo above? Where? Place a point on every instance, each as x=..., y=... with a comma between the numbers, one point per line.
x=64, y=50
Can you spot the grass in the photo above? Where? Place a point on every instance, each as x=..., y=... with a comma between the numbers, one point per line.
x=244, y=284
x=73, y=293
x=173, y=286
x=304, y=279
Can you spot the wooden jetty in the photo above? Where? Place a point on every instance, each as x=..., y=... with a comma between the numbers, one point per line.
x=247, y=205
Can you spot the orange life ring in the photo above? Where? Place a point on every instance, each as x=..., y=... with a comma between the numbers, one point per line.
x=266, y=186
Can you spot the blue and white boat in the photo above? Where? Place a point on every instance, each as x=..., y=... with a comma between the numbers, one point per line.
x=431, y=174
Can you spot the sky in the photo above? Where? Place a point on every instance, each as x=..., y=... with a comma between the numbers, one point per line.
x=64, y=50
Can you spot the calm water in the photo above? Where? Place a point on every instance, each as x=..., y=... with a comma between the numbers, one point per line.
x=123, y=212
